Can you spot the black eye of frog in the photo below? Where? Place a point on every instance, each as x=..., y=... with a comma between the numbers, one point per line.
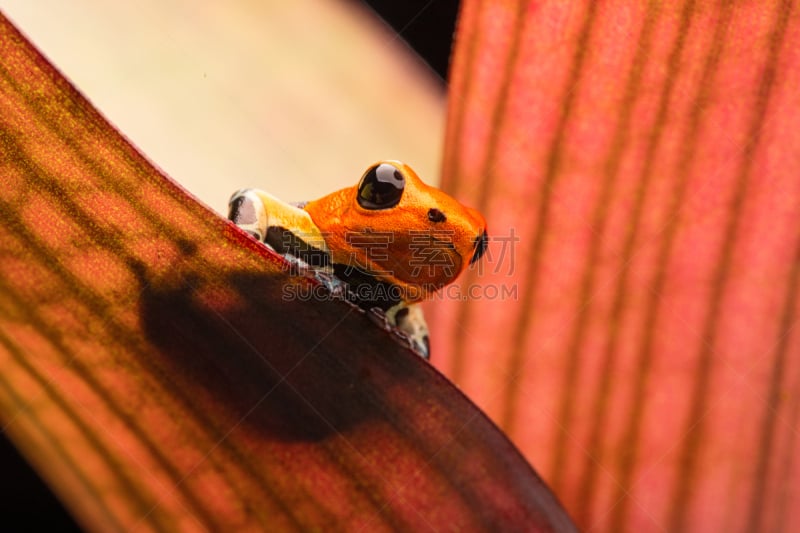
x=381, y=187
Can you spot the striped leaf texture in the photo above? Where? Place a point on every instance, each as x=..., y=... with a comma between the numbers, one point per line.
x=154, y=371
x=635, y=335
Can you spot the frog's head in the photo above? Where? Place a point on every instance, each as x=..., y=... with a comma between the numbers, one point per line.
x=404, y=231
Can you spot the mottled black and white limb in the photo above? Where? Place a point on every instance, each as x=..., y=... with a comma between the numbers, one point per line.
x=410, y=319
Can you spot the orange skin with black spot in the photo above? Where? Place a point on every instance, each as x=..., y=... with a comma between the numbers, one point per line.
x=400, y=245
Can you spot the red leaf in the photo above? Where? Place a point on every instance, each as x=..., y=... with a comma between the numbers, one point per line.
x=645, y=156
x=153, y=370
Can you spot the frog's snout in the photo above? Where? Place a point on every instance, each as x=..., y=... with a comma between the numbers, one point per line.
x=480, y=244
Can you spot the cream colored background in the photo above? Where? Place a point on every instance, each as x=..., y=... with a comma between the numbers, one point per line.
x=293, y=97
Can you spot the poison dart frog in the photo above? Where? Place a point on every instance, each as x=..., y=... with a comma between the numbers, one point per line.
x=392, y=239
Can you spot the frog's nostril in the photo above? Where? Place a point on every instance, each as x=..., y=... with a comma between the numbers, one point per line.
x=434, y=215
x=481, y=242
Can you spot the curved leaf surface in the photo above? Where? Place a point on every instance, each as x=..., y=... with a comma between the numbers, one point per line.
x=163, y=372
x=638, y=164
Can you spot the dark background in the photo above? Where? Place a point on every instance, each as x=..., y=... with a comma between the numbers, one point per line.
x=427, y=26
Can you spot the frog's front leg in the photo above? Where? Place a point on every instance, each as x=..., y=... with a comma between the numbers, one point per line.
x=287, y=229
x=410, y=319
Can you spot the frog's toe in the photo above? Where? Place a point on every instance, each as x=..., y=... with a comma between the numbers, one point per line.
x=421, y=346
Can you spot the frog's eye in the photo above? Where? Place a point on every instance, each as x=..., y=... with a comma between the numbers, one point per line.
x=381, y=187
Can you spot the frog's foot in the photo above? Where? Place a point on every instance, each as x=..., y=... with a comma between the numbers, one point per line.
x=246, y=210
x=410, y=320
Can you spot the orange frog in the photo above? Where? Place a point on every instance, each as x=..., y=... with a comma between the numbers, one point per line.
x=392, y=239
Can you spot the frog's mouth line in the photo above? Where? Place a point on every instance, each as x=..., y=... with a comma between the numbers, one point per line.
x=481, y=242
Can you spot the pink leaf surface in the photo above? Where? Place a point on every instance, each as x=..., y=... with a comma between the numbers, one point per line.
x=641, y=162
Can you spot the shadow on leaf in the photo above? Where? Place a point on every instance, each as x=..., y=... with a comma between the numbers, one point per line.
x=233, y=343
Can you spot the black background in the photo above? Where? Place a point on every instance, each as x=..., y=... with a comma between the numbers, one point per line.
x=26, y=504
x=426, y=25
